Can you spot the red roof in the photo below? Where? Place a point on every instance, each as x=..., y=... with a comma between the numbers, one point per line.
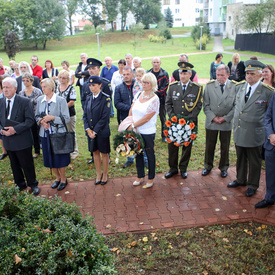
x=83, y=22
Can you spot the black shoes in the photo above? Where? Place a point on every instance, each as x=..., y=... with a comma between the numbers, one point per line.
x=235, y=183
x=164, y=140
x=62, y=185
x=183, y=175
x=224, y=174
x=104, y=182
x=205, y=172
x=170, y=174
x=98, y=181
x=91, y=160
x=3, y=156
x=35, y=190
x=263, y=204
x=250, y=192
x=55, y=184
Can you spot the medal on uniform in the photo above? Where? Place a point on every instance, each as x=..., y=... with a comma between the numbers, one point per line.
x=178, y=94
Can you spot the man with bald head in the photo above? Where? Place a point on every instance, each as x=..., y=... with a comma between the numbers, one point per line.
x=108, y=70
x=163, y=83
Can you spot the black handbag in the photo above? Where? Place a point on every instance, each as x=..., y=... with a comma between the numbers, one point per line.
x=62, y=143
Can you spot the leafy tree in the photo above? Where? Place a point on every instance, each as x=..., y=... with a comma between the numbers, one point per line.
x=169, y=18
x=137, y=30
x=125, y=7
x=110, y=8
x=41, y=21
x=163, y=30
x=12, y=44
x=71, y=8
x=258, y=18
x=90, y=8
x=196, y=31
x=147, y=12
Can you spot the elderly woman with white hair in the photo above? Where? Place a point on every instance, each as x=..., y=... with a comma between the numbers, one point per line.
x=51, y=113
x=24, y=67
x=144, y=110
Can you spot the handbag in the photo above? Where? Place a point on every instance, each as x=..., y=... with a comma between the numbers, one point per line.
x=62, y=143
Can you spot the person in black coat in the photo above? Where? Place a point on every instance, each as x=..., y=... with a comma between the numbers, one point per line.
x=96, y=119
x=16, y=120
x=24, y=67
x=237, y=68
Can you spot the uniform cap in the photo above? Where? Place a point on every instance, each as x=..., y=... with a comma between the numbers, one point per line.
x=92, y=62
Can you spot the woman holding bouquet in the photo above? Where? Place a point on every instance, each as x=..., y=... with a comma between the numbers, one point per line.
x=144, y=110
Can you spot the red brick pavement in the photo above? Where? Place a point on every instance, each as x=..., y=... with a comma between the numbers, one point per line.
x=196, y=201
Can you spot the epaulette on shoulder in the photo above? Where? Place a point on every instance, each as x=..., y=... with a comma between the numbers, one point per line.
x=268, y=87
x=173, y=83
x=198, y=84
x=211, y=81
x=108, y=97
x=239, y=83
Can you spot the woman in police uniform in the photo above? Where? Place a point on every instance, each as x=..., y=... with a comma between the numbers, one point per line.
x=96, y=119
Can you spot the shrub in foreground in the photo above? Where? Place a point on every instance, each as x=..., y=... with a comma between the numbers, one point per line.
x=43, y=236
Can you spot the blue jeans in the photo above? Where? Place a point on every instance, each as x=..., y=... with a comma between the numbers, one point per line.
x=149, y=150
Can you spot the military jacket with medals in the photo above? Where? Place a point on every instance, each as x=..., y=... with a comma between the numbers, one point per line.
x=188, y=103
x=96, y=114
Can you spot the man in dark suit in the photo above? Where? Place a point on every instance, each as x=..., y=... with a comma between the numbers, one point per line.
x=16, y=120
x=24, y=67
x=269, y=145
x=252, y=99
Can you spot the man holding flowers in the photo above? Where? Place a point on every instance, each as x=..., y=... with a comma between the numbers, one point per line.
x=183, y=105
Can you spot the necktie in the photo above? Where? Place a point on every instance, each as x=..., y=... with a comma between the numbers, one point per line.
x=247, y=95
x=183, y=88
x=222, y=87
x=8, y=109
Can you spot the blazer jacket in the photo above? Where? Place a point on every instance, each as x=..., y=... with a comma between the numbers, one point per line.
x=97, y=114
x=188, y=104
x=21, y=112
x=57, y=109
x=45, y=73
x=269, y=123
x=36, y=83
x=216, y=103
x=248, y=122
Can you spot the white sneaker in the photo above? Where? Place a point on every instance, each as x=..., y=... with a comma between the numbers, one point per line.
x=136, y=183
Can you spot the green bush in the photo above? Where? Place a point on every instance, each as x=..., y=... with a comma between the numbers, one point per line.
x=43, y=236
x=166, y=33
x=196, y=32
x=204, y=40
x=87, y=28
x=156, y=39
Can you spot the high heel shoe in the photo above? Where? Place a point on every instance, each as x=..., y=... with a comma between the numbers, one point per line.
x=136, y=183
x=104, y=182
x=98, y=181
x=149, y=185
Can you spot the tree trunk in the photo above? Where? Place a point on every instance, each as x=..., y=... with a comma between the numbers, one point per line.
x=112, y=24
x=70, y=26
x=44, y=44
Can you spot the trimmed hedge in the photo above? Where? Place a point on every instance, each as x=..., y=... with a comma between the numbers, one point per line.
x=43, y=236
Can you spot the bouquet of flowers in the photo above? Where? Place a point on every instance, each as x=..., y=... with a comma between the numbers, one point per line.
x=128, y=143
x=180, y=130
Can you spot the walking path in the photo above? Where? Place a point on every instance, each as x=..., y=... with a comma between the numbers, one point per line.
x=174, y=203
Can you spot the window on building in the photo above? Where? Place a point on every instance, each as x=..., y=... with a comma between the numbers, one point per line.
x=177, y=10
x=229, y=18
x=177, y=2
x=210, y=12
x=197, y=10
x=177, y=19
x=166, y=2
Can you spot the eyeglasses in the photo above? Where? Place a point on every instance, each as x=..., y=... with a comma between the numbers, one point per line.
x=146, y=82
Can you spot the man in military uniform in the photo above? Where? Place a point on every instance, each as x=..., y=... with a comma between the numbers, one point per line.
x=218, y=105
x=184, y=98
x=249, y=134
x=93, y=66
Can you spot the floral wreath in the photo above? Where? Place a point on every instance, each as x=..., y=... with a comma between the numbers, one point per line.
x=180, y=130
x=128, y=143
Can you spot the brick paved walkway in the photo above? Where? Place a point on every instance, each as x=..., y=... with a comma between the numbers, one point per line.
x=195, y=201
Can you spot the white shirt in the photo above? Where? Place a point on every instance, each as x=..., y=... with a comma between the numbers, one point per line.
x=253, y=88
x=81, y=81
x=11, y=105
x=140, y=110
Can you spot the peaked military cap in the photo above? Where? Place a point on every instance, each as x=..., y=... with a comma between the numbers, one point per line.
x=185, y=66
x=94, y=79
x=92, y=62
x=252, y=65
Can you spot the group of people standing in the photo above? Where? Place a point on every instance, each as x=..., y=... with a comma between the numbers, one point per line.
x=239, y=96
